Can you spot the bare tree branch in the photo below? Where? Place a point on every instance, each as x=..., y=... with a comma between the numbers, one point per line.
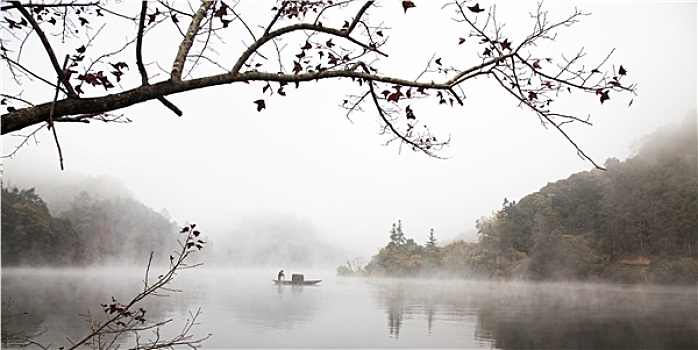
x=47, y=46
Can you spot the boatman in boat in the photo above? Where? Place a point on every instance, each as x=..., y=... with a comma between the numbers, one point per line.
x=280, y=276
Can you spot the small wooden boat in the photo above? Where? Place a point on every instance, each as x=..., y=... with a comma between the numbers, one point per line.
x=297, y=283
x=297, y=280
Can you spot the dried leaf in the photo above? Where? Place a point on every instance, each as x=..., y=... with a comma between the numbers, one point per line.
x=260, y=105
x=406, y=4
x=604, y=96
x=476, y=8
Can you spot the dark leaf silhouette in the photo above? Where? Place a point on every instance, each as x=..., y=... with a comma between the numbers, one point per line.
x=410, y=113
x=152, y=17
x=83, y=21
x=622, y=71
x=297, y=68
x=476, y=8
x=81, y=49
x=604, y=96
x=395, y=96
x=408, y=4
x=438, y=61
x=461, y=40
x=506, y=44
x=260, y=105
x=536, y=64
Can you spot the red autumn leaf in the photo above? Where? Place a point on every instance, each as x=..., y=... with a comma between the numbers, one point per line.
x=346, y=25
x=461, y=40
x=297, y=68
x=222, y=11
x=622, y=71
x=476, y=8
x=548, y=84
x=260, y=105
x=118, y=75
x=152, y=17
x=536, y=64
x=505, y=44
x=301, y=55
x=438, y=61
x=532, y=95
x=604, y=96
x=406, y=4
x=395, y=96
x=410, y=113
x=385, y=93
x=331, y=59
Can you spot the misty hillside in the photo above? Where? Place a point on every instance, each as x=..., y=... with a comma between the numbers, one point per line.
x=276, y=240
x=89, y=230
x=635, y=222
x=59, y=189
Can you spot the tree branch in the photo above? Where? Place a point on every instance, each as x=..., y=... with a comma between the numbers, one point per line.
x=188, y=41
x=47, y=46
x=139, y=44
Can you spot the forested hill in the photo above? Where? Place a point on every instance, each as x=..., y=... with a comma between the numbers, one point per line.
x=91, y=230
x=636, y=221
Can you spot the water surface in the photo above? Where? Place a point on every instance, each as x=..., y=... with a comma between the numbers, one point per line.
x=244, y=309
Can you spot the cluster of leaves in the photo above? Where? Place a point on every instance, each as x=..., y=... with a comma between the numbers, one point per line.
x=122, y=312
x=193, y=240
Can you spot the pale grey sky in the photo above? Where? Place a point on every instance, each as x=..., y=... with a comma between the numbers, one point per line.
x=222, y=160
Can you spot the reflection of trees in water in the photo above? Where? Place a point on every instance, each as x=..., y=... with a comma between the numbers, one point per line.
x=396, y=310
x=53, y=301
x=548, y=315
x=559, y=316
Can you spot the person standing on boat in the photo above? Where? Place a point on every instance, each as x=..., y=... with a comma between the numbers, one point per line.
x=280, y=276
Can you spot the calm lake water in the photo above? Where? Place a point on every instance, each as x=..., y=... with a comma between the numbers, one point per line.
x=244, y=309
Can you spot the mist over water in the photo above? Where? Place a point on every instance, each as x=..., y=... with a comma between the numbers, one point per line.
x=244, y=309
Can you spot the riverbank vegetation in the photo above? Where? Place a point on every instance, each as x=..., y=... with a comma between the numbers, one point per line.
x=636, y=222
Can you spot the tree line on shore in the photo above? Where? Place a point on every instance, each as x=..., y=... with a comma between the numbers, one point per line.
x=634, y=222
x=92, y=230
